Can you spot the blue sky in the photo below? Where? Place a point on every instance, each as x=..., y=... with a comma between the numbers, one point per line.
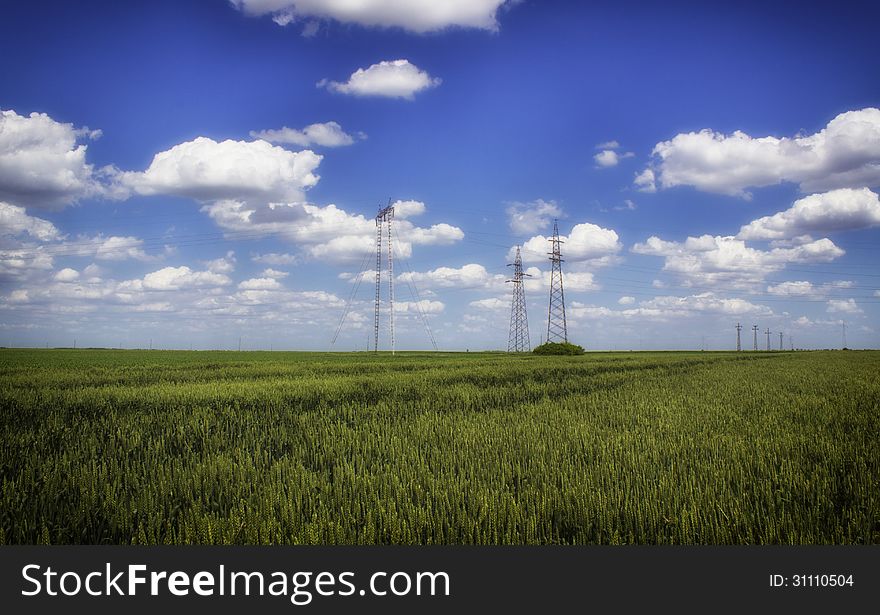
x=192, y=173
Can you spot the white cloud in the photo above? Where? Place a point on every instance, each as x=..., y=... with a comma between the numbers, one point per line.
x=844, y=154
x=274, y=258
x=843, y=306
x=119, y=248
x=327, y=134
x=177, y=278
x=669, y=308
x=645, y=181
x=610, y=158
x=585, y=242
x=801, y=288
x=327, y=232
x=274, y=273
x=838, y=210
x=608, y=145
x=66, y=275
x=408, y=209
x=467, y=276
x=14, y=221
x=493, y=303
x=525, y=218
x=224, y=264
x=414, y=15
x=711, y=260
x=21, y=263
x=41, y=165
x=260, y=284
x=205, y=170
x=391, y=79
x=626, y=300
x=424, y=306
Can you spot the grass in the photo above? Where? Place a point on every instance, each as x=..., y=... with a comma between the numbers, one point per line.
x=169, y=447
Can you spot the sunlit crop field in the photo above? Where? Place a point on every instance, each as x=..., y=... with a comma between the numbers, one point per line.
x=262, y=448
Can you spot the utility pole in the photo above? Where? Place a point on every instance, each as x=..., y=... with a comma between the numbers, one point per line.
x=518, y=337
x=557, y=329
x=239, y=343
x=383, y=222
x=780, y=340
x=738, y=344
x=843, y=334
x=755, y=335
x=768, y=337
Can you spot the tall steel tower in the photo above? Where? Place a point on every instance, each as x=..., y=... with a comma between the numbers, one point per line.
x=383, y=222
x=518, y=339
x=755, y=332
x=780, y=340
x=557, y=329
x=768, y=337
x=739, y=328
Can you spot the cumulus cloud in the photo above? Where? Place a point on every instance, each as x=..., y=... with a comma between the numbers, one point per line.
x=424, y=306
x=525, y=218
x=14, y=222
x=471, y=275
x=837, y=210
x=42, y=165
x=413, y=15
x=626, y=300
x=115, y=248
x=205, y=170
x=327, y=232
x=610, y=158
x=645, y=181
x=327, y=134
x=492, y=304
x=710, y=260
x=177, y=278
x=843, y=306
x=666, y=308
x=408, y=209
x=66, y=275
x=390, y=79
x=276, y=259
x=804, y=288
x=586, y=242
x=260, y=284
x=844, y=154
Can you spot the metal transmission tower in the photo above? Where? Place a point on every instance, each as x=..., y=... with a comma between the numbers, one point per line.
x=780, y=340
x=755, y=335
x=518, y=340
x=768, y=337
x=557, y=329
x=843, y=334
x=383, y=222
x=739, y=328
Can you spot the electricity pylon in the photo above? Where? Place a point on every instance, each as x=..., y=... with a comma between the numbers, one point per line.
x=768, y=337
x=383, y=222
x=755, y=335
x=738, y=344
x=518, y=339
x=557, y=329
x=780, y=340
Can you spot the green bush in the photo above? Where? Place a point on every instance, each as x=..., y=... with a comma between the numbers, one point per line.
x=563, y=348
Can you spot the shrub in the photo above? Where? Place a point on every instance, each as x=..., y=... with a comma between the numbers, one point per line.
x=563, y=348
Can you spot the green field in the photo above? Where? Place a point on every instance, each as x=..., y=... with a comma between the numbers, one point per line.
x=169, y=447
